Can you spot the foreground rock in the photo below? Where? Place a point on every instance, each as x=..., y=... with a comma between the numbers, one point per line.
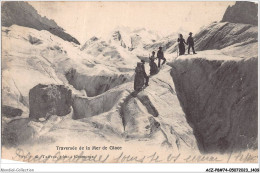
x=45, y=100
x=9, y=111
x=17, y=132
x=219, y=99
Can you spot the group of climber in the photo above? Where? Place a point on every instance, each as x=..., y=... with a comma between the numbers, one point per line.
x=142, y=79
x=190, y=43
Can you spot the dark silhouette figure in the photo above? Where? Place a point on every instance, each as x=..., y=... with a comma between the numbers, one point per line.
x=160, y=56
x=190, y=43
x=139, y=77
x=181, y=42
x=153, y=66
x=145, y=75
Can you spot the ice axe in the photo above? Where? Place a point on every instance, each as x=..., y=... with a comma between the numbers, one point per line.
x=177, y=52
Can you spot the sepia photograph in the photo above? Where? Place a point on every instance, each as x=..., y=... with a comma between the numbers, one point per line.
x=129, y=82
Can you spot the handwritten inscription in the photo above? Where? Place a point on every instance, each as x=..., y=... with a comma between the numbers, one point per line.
x=57, y=157
x=199, y=158
x=244, y=158
x=123, y=157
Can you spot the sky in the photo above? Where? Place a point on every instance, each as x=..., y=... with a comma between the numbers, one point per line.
x=86, y=19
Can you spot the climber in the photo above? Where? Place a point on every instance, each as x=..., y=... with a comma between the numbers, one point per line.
x=160, y=56
x=190, y=43
x=145, y=75
x=181, y=45
x=153, y=66
x=140, y=75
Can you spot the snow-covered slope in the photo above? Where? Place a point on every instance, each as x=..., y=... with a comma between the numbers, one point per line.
x=133, y=42
x=110, y=53
x=134, y=38
x=240, y=37
x=166, y=42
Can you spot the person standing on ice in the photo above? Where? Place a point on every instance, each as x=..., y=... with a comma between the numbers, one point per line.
x=160, y=56
x=145, y=75
x=153, y=66
x=140, y=76
x=190, y=43
x=181, y=42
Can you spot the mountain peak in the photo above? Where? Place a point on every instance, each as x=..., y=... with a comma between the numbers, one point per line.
x=242, y=12
x=23, y=14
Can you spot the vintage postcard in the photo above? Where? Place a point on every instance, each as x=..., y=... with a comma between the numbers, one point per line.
x=129, y=82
